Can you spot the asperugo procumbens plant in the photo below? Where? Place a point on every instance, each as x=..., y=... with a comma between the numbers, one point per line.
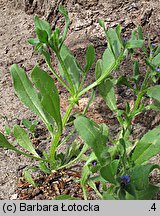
x=124, y=164
x=121, y=163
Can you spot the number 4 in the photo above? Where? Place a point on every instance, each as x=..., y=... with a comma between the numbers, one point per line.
x=153, y=207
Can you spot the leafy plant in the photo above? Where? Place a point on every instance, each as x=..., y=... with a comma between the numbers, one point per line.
x=39, y=92
x=123, y=166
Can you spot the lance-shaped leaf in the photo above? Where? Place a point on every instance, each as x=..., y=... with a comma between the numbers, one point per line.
x=29, y=178
x=42, y=25
x=90, y=56
x=23, y=140
x=106, y=89
x=5, y=144
x=26, y=93
x=71, y=66
x=64, y=12
x=42, y=35
x=147, y=147
x=49, y=93
x=114, y=42
x=92, y=136
x=108, y=61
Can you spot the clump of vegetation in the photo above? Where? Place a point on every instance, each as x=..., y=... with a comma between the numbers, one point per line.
x=122, y=167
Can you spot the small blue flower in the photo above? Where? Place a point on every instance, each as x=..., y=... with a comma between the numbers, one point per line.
x=153, y=44
x=125, y=40
x=94, y=163
x=152, y=52
x=157, y=69
x=126, y=179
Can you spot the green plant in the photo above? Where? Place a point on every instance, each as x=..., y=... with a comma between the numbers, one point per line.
x=30, y=125
x=123, y=166
x=39, y=93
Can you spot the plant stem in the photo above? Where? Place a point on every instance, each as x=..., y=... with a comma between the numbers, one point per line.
x=67, y=114
x=141, y=93
x=66, y=73
x=84, y=149
x=53, y=148
x=98, y=81
x=67, y=138
x=55, y=140
x=58, y=78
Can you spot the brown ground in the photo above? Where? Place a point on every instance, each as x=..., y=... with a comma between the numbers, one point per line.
x=16, y=27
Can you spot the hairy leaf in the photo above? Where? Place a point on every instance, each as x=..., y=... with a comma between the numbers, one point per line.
x=108, y=172
x=49, y=93
x=147, y=147
x=26, y=93
x=92, y=136
x=23, y=140
x=71, y=66
x=90, y=56
x=42, y=25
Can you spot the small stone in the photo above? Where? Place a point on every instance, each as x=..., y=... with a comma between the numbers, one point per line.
x=14, y=197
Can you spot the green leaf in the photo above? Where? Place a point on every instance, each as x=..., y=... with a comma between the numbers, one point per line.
x=49, y=93
x=139, y=176
x=122, y=80
x=33, y=41
x=132, y=44
x=29, y=178
x=140, y=33
x=23, y=140
x=147, y=147
x=92, y=136
x=108, y=61
x=101, y=23
x=156, y=60
x=92, y=97
x=55, y=40
x=99, y=69
x=8, y=130
x=90, y=56
x=42, y=165
x=157, y=50
x=106, y=89
x=27, y=123
x=155, y=106
x=114, y=42
x=64, y=12
x=154, y=92
x=149, y=193
x=109, y=171
x=26, y=93
x=42, y=25
x=86, y=172
x=64, y=197
x=42, y=35
x=71, y=65
x=108, y=196
x=136, y=72
x=5, y=144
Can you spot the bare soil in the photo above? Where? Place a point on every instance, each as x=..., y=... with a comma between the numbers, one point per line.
x=16, y=26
